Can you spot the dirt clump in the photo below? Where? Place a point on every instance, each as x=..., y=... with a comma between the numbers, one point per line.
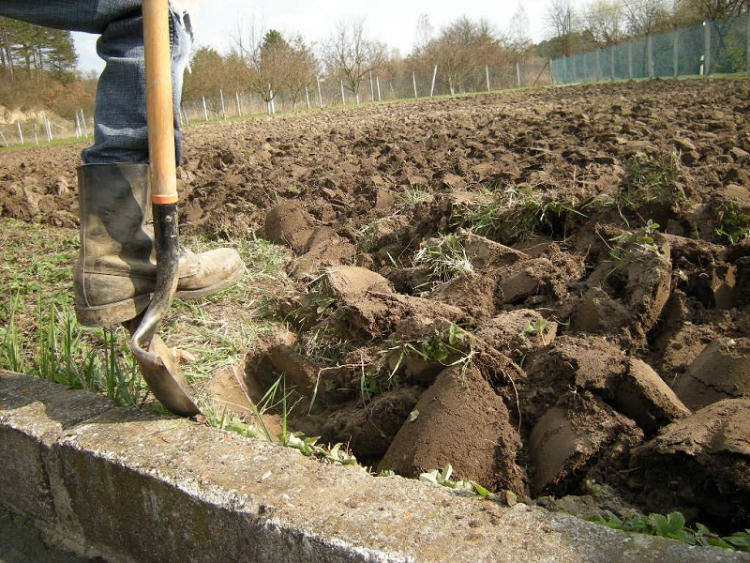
x=546, y=289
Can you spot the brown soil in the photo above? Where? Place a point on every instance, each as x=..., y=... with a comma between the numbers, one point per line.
x=594, y=347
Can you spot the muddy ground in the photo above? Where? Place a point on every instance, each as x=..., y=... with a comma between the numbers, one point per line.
x=546, y=289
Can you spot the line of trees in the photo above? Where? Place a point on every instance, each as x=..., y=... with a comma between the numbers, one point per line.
x=38, y=70
x=268, y=63
x=602, y=23
x=31, y=49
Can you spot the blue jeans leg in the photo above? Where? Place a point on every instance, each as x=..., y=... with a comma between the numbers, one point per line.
x=120, y=133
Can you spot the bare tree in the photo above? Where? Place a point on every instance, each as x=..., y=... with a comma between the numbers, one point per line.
x=462, y=51
x=604, y=20
x=562, y=22
x=300, y=69
x=644, y=17
x=518, y=40
x=424, y=33
x=350, y=56
x=695, y=11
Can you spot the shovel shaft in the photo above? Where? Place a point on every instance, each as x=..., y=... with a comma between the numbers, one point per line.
x=159, y=101
x=162, y=374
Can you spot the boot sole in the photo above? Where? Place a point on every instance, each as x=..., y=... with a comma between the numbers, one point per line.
x=122, y=311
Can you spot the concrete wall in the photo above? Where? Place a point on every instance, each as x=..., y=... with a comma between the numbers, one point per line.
x=109, y=482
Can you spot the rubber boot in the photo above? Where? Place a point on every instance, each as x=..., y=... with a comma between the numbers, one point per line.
x=116, y=269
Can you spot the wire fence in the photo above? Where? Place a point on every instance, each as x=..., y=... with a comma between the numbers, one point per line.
x=715, y=47
x=39, y=129
x=320, y=94
x=373, y=89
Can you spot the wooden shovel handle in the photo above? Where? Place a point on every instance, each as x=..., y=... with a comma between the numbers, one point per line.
x=159, y=101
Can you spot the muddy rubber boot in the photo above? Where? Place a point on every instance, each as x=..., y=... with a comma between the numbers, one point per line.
x=116, y=269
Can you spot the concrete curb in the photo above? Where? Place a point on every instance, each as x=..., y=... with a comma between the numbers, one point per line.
x=105, y=481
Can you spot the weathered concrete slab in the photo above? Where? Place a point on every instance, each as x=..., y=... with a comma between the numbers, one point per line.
x=133, y=487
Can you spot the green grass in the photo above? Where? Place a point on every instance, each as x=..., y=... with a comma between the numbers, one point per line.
x=673, y=526
x=41, y=337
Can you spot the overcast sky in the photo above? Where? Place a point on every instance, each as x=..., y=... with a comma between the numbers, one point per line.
x=392, y=21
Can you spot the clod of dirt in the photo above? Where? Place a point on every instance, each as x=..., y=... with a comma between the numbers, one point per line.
x=571, y=363
x=377, y=312
x=642, y=279
x=722, y=371
x=517, y=332
x=460, y=421
x=475, y=294
x=264, y=368
x=594, y=365
x=573, y=432
x=367, y=430
x=700, y=465
x=646, y=398
x=597, y=313
x=680, y=341
x=290, y=225
x=349, y=284
x=324, y=249
x=485, y=253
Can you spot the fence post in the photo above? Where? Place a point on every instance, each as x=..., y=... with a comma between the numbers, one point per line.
x=83, y=124
x=320, y=93
x=223, y=107
x=239, y=105
x=650, y=54
x=487, y=76
x=414, y=80
x=747, y=40
x=20, y=132
x=518, y=74
x=707, y=47
x=585, y=77
x=343, y=98
x=48, y=126
x=5, y=141
x=675, y=52
x=611, y=62
x=434, y=77
x=372, y=88
x=377, y=83
x=630, y=59
x=307, y=96
x=205, y=109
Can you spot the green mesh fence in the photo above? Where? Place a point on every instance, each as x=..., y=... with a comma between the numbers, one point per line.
x=717, y=47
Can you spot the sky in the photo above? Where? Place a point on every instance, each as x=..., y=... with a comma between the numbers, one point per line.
x=393, y=22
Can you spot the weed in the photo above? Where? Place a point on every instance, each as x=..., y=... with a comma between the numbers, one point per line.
x=650, y=180
x=62, y=352
x=442, y=478
x=483, y=218
x=11, y=353
x=415, y=195
x=534, y=329
x=453, y=347
x=673, y=526
x=367, y=235
x=445, y=257
x=734, y=224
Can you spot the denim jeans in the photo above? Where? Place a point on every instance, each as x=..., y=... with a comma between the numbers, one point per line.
x=120, y=132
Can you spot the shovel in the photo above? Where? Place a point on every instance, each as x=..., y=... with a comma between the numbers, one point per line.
x=158, y=366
